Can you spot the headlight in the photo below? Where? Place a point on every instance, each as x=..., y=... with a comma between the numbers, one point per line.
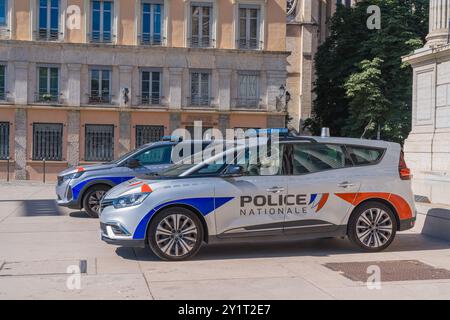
x=72, y=176
x=130, y=200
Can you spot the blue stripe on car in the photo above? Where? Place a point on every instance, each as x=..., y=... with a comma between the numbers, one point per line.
x=313, y=197
x=204, y=205
x=79, y=187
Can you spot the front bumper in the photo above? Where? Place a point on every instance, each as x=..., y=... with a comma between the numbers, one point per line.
x=124, y=243
x=116, y=234
x=69, y=204
x=65, y=196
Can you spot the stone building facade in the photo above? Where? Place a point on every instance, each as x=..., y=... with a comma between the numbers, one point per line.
x=307, y=28
x=427, y=148
x=83, y=81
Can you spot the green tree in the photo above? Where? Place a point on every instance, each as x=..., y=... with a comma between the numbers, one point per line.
x=368, y=106
x=404, y=26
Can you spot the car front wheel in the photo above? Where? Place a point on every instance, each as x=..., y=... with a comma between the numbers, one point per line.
x=91, y=201
x=372, y=226
x=175, y=234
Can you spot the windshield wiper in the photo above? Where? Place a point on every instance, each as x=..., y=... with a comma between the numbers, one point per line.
x=152, y=174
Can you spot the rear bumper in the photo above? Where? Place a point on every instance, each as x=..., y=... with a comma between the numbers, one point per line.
x=407, y=224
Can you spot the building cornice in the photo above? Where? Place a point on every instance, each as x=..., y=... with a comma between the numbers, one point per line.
x=426, y=54
x=137, y=49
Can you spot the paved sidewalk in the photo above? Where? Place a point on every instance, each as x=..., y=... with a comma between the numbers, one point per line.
x=39, y=242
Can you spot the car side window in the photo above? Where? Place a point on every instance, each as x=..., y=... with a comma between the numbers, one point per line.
x=316, y=157
x=364, y=155
x=155, y=156
x=262, y=163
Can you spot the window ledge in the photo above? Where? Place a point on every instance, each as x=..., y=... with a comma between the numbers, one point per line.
x=47, y=162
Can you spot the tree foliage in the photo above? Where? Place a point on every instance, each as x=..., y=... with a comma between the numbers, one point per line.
x=360, y=73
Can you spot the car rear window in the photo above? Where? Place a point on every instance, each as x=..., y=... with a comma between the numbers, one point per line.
x=310, y=158
x=365, y=155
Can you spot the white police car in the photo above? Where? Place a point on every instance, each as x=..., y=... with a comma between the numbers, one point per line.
x=83, y=187
x=307, y=187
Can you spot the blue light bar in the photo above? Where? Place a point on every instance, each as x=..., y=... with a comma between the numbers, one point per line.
x=172, y=138
x=268, y=132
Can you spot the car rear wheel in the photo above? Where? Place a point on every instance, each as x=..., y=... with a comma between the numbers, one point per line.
x=175, y=234
x=372, y=226
x=91, y=200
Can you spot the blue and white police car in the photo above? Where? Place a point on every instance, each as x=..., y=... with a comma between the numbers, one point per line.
x=83, y=187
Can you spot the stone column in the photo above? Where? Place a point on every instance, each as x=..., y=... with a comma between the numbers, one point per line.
x=439, y=22
x=224, y=91
x=174, y=121
x=73, y=138
x=175, y=85
x=224, y=123
x=125, y=81
x=124, y=132
x=73, y=90
x=274, y=80
x=20, y=144
x=21, y=82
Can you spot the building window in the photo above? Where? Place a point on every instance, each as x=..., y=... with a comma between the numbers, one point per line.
x=48, y=85
x=201, y=25
x=147, y=134
x=152, y=23
x=2, y=82
x=4, y=140
x=102, y=21
x=100, y=91
x=48, y=20
x=99, y=142
x=47, y=141
x=249, y=17
x=150, y=87
x=345, y=3
x=248, y=90
x=200, y=89
x=3, y=13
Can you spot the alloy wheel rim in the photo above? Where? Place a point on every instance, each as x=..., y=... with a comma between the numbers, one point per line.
x=176, y=235
x=374, y=228
x=95, y=199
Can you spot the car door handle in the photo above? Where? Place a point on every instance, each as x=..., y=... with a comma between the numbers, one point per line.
x=346, y=184
x=275, y=189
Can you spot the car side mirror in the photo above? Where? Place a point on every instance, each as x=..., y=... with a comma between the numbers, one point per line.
x=233, y=171
x=133, y=163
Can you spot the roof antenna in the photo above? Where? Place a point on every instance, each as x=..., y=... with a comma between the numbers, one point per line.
x=325, y=133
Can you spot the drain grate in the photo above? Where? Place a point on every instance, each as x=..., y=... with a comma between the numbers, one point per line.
x=421, y=199
x=397, y=270
x=50, y=267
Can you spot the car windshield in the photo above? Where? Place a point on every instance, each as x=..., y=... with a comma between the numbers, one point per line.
x=213, y=162
x=128, y=154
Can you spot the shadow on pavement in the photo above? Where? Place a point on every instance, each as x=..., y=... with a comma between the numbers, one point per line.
x=80, y=215
x=38, y=208
x=314, y=248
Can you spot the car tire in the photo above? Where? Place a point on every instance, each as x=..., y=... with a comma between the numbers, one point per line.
x=91, y=199
x=372, y=226
x=175, y=234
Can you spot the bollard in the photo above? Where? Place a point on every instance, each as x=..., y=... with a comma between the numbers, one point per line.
x=43, y=169
x=7, y=169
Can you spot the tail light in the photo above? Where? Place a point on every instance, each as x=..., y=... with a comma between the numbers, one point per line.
x=403, y=170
